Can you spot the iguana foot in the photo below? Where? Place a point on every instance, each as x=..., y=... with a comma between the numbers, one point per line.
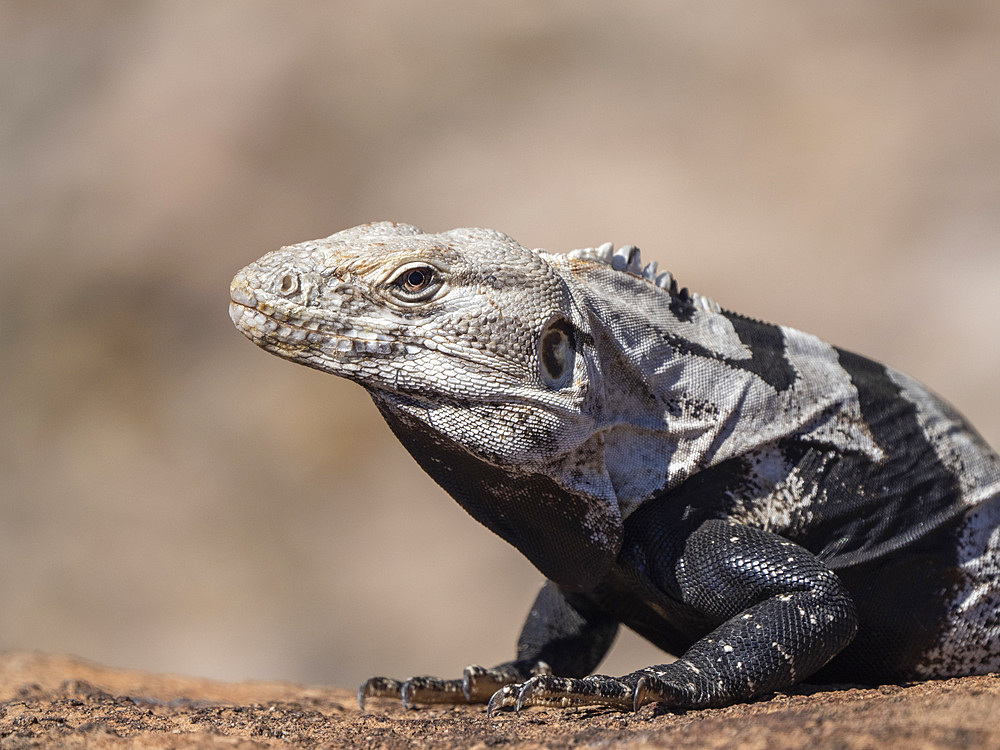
x=477, y=685
x=564, y=692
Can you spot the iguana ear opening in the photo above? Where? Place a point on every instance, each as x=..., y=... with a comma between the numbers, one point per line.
x=556, y=352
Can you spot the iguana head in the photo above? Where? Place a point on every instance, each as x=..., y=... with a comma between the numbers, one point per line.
x=463, y=321
x=402, y=311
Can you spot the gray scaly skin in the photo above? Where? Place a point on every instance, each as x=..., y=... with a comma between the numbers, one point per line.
x=766, y=506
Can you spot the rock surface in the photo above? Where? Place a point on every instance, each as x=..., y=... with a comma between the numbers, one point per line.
x=48, y=701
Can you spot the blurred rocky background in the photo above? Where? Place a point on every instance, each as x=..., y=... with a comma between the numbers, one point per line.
x=174, y=499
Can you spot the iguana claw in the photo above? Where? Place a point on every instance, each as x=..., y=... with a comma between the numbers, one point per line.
x=378, y=687
x=505, y=697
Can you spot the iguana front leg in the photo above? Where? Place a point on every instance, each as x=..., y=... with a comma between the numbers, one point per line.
x=782, y=615
x=563, y=633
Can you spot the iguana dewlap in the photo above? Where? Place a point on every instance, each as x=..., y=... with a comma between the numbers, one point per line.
x=765, y=506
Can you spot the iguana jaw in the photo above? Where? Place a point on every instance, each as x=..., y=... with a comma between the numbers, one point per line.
x=290, y=334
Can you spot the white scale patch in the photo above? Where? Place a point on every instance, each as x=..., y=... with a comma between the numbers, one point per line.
x=971, y=641
x=779, y=499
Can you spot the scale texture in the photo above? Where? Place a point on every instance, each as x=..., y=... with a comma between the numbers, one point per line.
x=761, y=504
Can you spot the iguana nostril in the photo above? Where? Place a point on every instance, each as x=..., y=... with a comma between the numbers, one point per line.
x=289, y=283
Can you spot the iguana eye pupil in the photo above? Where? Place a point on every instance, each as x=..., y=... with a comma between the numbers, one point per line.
x=417, y=279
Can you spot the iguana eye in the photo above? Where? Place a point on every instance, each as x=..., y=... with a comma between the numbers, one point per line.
x=415, y=283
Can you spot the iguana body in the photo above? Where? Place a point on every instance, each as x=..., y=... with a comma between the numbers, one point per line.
x=765, y=506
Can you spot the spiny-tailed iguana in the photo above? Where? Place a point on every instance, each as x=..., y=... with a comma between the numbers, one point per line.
x=764, y=505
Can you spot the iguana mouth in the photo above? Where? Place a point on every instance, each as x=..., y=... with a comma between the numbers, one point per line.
x=285, y=332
